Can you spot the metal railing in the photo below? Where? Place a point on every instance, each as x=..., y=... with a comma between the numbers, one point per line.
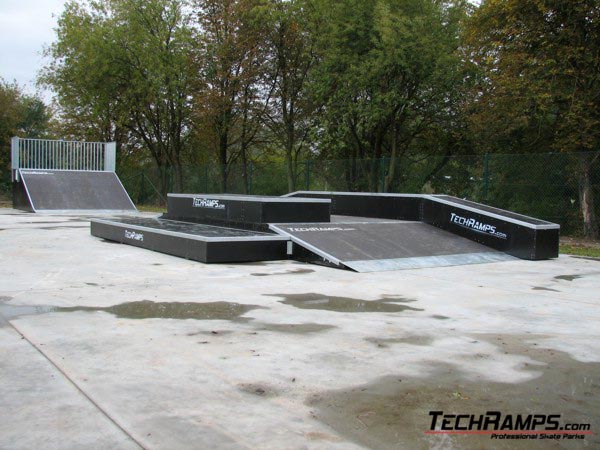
x=61, y=155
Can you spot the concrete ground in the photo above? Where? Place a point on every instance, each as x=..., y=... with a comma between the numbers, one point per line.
x=109, y=346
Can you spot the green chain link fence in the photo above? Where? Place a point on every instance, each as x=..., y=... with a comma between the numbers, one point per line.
x=543, y=185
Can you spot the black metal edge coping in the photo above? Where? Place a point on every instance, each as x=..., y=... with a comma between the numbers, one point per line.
x=196, y=237
x=371, y=194
x=252, y=198
x=496, y=215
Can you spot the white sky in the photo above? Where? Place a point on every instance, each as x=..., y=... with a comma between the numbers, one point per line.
x=26, y=27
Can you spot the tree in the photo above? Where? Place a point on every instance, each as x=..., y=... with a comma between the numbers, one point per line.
x=389, y=73
x=229, y=61
x=122, y=70
x=290, y=42
x=539, y=87
x=20, y=115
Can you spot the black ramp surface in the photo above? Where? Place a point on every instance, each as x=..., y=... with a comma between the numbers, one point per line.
x=56, y=190
x=199, y=242
x=376, y=246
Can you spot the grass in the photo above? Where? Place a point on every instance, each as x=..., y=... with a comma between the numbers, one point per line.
x=579, y=250
x=151, y=208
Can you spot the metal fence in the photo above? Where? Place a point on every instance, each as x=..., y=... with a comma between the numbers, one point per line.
x=544, y=185
x=61, y=155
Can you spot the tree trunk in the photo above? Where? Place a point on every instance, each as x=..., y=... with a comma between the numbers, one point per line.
x=392, y=169
x=586, y=195
x=223, y=161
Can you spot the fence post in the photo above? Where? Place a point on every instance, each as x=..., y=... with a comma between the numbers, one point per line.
x=14, y=158
x=382, y=173
x=486, y=175
x=142, y=196
x=307, y=174
x=110, y=156
x=206, y=178
x=250, y=173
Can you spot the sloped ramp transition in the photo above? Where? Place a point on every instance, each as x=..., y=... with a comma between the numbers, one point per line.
x=373, y=246
x=61, y=191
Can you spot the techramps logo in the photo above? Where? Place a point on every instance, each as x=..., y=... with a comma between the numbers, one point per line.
x=208, y=203
x=501, y=426
x=474, y=225
x=134, y=236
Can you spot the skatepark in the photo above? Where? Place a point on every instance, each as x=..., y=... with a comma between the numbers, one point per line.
x=315, y=320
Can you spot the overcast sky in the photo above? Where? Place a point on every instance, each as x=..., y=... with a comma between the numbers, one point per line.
x=26, y=26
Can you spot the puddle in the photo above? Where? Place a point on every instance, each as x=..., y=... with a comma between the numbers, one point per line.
x=211, y=333
x=260, y=390
x=410, y=340
x=393, y=412
x=294, y=328
x=541, y=288
x=568, y=277
x=289, y=272
x=62, y=227
x=345, y=304
x=439, y=317
x=146, y=309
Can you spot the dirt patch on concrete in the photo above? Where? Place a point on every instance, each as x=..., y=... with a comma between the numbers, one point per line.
x=393, y=412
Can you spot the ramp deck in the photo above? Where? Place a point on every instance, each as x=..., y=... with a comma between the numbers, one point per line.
x=199, y=242
x=71, y=190
x=367, y=245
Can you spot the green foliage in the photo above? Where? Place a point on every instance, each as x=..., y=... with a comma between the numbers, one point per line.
x=20, y=115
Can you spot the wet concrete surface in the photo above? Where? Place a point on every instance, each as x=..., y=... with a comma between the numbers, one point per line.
x=346, y=304
x=393, y=412
x=143, y=309
x=112, y=346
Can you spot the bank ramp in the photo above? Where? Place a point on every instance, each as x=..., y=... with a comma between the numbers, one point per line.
x=367, y=245
x=70, y=191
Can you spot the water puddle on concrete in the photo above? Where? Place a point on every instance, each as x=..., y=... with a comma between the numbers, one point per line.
x=393, y=412
x=410, y=340
x=146, y=309
x=294, y=328
x=568, y=277
x=345, y=304
x=440, y=317
x=541, y=288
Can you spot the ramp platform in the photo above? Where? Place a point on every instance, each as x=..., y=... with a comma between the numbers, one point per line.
x=198, y=242
x=377, y=245
x=366, y=233
x=62, y=191
x=245, y=211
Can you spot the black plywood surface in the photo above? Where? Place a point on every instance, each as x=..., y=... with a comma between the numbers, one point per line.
x=75, y=190
x=380, y=240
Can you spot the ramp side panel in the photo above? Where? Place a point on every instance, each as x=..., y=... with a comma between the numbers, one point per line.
x=213, y=246
x=365, y=204
x=56, y=190
x=532, y=241
x=378, y=241
x=20, y=197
